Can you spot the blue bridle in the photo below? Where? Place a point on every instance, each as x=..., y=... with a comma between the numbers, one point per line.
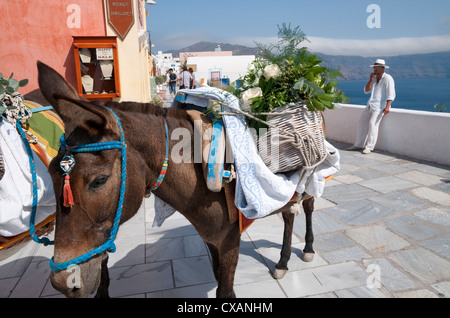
x=109, y=244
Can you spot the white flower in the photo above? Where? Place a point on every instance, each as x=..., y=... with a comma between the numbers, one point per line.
x=250, y=93
x=271, y=71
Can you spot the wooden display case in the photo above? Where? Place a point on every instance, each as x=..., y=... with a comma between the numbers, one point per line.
x=97, y=67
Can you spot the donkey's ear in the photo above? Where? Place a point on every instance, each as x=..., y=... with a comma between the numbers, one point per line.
x=73, y=109
x=92, y=117
x=52, y=83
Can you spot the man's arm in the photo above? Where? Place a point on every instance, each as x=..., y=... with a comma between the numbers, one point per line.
x=387, y=109
x=368, y=86
x=390, y=95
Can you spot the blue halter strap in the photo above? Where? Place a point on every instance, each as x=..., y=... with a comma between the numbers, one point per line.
x=109, y=244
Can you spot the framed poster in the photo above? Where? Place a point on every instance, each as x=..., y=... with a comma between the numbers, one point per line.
x=215, y=75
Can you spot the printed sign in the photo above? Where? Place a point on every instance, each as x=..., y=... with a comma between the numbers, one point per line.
x=105, y=54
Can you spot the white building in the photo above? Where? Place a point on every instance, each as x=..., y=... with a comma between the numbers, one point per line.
x=214, y=67
x=164, y=61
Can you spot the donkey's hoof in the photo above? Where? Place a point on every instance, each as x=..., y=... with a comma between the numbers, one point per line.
x=308, y=257
x=279, y=273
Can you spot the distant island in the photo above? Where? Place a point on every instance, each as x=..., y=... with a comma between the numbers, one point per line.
x=432, y=65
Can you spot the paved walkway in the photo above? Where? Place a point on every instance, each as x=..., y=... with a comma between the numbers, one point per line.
x=382, y=229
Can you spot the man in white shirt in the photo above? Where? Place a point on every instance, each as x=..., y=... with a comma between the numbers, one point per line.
x=381, y=87
x=192, y=84
x=185, y=79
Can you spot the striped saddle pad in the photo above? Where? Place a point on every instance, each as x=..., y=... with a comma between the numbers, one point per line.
x=48, y=127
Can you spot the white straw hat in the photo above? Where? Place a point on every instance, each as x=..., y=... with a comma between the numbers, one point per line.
x=380, y=62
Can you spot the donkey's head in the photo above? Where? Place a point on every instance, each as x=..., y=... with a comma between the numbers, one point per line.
x=94, y=180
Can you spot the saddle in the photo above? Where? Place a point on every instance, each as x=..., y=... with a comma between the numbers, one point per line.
x=217, y=163
x=216, y=157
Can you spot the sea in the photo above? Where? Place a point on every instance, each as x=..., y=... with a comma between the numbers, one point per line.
x=412, y=93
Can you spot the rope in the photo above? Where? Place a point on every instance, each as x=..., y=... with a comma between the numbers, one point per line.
x=2, y=165
x=33, y=234
x=106, y=145
x=18, y=110
x=109, y=244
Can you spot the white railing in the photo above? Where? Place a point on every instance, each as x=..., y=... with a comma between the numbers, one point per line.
x=416, y=134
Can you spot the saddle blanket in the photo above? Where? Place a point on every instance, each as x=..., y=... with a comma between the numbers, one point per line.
x=260, y=192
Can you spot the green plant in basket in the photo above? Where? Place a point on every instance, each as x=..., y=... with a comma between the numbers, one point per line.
x=286, y=73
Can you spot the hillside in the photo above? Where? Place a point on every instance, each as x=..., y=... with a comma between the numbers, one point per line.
x=436, y=65
x=210, y=46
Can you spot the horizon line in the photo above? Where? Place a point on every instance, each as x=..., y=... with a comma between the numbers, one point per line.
x=354, y=47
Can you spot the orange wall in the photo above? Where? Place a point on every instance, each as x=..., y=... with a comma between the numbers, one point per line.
x=33, y=30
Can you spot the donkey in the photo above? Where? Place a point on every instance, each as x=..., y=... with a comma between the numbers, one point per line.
x=95, y=183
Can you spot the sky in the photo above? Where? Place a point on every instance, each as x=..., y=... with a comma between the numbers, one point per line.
x=345, y=27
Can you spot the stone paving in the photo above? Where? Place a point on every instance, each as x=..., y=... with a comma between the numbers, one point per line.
x=382, y=229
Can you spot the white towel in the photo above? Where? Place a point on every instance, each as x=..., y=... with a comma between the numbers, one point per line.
x=16, y=189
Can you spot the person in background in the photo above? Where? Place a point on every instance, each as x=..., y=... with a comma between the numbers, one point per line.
x=172, y=83
x=381, y=87
x=185, y=79
x=192, y=85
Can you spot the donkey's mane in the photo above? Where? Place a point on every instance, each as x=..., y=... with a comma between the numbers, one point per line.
x=150, y=109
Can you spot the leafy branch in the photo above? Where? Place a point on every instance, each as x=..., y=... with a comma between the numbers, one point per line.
x=10, y=85
x=297, y=76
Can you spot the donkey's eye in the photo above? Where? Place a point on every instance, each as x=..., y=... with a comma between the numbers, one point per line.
x=98, y=182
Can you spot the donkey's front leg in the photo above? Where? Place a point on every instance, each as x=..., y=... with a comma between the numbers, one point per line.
x=102, y=291
x=281, y=268
x=228, y=259
x=308, y=252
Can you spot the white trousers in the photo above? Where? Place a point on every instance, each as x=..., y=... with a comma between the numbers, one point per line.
x=367, y=133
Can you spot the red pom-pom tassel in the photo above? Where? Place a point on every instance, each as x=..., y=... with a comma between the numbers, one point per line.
x=67, y=192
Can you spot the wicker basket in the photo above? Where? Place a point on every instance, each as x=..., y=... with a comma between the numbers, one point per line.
x=296, y=142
